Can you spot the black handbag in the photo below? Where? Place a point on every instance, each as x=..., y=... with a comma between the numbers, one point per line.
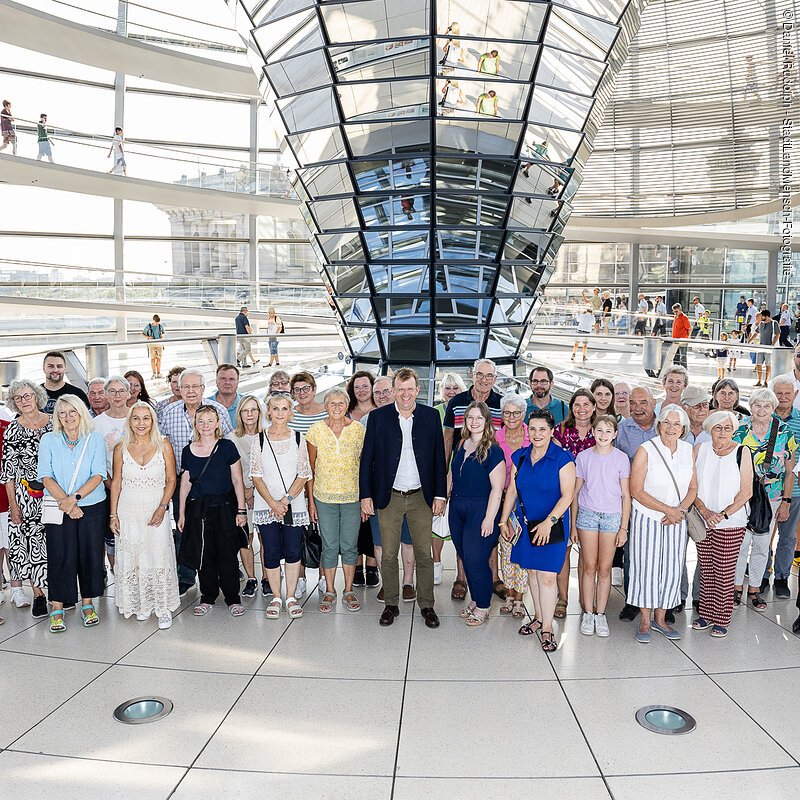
x=311, y=546
x=759, y=519
x=557, y=534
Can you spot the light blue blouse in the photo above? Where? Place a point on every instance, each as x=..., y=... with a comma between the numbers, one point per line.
x=57, y=461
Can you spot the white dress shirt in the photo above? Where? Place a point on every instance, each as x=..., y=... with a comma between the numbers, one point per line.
x=407, y=477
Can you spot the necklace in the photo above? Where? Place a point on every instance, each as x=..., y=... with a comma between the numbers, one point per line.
x=69, y=441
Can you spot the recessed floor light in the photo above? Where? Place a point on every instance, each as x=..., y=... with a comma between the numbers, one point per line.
x=142, y=709
x=666, y=720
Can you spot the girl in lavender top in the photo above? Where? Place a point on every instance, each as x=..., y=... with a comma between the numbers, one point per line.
x=600, y=510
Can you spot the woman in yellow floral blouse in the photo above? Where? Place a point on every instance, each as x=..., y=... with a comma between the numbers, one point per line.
x=334, y=449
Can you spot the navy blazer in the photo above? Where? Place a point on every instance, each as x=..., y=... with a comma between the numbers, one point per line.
x=383, y=443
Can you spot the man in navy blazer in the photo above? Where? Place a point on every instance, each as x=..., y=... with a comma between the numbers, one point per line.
x=403, y=475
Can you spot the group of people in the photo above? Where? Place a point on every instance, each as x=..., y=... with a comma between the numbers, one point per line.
x=515, y=483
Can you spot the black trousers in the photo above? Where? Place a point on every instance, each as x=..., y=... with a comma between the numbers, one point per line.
x=76, y=555
x=219, y=568
x=784, y=339
x=660, y=328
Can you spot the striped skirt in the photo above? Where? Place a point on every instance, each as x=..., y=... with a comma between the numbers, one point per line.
x=657, y=554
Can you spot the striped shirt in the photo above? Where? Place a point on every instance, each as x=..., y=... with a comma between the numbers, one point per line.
x=457, y=407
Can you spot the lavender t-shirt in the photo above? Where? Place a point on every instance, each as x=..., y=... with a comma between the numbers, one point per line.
x=601, y=475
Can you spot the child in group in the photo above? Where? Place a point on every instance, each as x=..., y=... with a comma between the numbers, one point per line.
x=601, y=509
x=721, y=354
x=733, y=353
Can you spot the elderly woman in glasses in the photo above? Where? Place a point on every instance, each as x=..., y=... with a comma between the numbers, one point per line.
x=773, y=447
x=724, y=485
x=512, y=437
x=27, y=551
x=725, y=397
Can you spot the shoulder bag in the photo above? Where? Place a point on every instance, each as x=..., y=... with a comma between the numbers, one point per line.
x=759, y=519
x=51, y=513
x=288, y=518
x=556, y=532
x=695, y=524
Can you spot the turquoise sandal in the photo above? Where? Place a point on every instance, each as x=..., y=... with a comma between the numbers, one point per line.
x=57, y=625
x=91, y=618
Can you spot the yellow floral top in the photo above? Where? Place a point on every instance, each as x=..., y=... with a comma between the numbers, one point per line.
x=336, y=468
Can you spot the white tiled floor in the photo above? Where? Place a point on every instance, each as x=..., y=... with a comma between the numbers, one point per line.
x=334, y=706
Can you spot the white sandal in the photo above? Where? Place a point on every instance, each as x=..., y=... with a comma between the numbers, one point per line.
x=293, y=608
x=274, y=608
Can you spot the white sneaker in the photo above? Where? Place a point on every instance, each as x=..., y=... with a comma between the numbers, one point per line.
x=142, y=617
x=19, y=598
x=617, y=576
x=601, y=625
x=165, y=621
x=587, y=624
x=437, y=573
x=300, y=589
x=323, y=584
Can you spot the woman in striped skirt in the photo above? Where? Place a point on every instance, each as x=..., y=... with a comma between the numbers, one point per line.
x=658, y=522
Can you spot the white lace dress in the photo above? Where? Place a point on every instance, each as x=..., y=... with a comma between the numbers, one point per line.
x=146, y=576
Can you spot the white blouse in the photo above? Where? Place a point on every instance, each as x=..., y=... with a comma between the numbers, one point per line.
x=278, y=467
x=718, y=482
x=657, y=481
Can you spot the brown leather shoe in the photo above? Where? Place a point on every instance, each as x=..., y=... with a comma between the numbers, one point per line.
x=409, y=593
x=389, y=613
x=431, y=617
x=379, y=596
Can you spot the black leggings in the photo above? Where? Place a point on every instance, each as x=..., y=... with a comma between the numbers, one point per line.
x=219, y=568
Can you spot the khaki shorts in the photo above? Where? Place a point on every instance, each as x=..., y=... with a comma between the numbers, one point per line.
x=155, y=350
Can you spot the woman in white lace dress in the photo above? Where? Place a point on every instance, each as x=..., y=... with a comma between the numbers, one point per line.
x=143, y=484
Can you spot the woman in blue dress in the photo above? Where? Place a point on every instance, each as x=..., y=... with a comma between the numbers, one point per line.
x=477, y=473
x=544, y=476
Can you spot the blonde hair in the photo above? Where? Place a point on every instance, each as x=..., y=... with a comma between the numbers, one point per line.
x=487, y=437
x=203, y=409
x=73, y=401
x=240, y=431
x=128, y=436
x=271, y=398
x=451, y=377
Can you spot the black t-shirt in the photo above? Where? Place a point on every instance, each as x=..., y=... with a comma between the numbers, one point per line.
x=607, y=306
x=54, y=394
x=217, y=478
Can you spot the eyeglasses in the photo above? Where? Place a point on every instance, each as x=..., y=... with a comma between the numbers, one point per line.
x=279, y=384
x=381, y=392
x=512, y=414
x=539, y=380
x=484, y=376
x=24, y=398
x=117, y=391
x=302, y=389
x=193, y=386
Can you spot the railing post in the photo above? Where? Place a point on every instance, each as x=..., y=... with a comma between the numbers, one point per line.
x=782, y=360
x=96, y=361
x=226, y=348
x=9, y=371
x=651, y=355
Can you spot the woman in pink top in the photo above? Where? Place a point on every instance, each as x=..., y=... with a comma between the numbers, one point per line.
x=511, y=437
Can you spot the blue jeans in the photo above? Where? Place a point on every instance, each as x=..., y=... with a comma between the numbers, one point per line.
x=784, y=549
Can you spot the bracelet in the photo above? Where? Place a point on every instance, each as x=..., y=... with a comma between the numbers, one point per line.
x=240, y=511
x=113, y=516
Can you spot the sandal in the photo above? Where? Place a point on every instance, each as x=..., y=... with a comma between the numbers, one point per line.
x=719, y=632
x=507, y=607
x=528, y=629
x=499, y=588
x=459, y=590
x=274, y=608
x=91, y=618
x=236, y=610
x=737, y=597
x=326, y=604
x=201, y=609
x=475, y=619
x=701, y=624
x=561, y=610
x=518, y=610
x=549, y=644
x=293, y=608
x=757, y=601
x=465, y=612
x=57, y=625
x=351, y=601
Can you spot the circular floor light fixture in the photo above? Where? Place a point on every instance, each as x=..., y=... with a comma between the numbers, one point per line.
x=666, y=720
x=142, y=709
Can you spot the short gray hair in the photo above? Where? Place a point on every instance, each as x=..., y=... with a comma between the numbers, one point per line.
x=718, y=417
x=782, y=380
x=762, y=396
x=646, y=389
x=337, y=391
x=676, y=369
x=117, y=379
x=192, y=371
x=485, y=361
x=514, y=399
x=98, y=379
x=26, y=383
x=670, y=408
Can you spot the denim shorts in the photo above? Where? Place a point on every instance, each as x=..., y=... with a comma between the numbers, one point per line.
x=273, y=347
x=598, y=521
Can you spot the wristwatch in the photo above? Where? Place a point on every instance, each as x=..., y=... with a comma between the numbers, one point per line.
x=786, y=500
x=553, y=519
x=289, y=497
x=78, y=497
x=725, y=514
x=165, y=507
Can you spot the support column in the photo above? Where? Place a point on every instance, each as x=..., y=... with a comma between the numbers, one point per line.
x=772, y=280
x=252, y=220
x=633, y=277
x=119, y=247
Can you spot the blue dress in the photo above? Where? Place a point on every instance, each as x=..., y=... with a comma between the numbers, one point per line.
x=541, y=490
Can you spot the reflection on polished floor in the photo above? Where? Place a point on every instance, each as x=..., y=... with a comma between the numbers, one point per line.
x=337, y=707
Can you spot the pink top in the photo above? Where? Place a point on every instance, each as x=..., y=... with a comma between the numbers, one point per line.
x=500, y=438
